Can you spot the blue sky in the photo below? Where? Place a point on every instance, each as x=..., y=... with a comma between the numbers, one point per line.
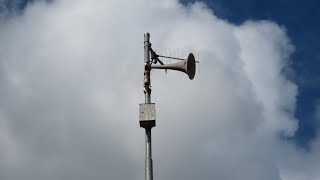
x=300, y=19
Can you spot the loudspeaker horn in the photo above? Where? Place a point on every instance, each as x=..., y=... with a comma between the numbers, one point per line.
x=187, y=66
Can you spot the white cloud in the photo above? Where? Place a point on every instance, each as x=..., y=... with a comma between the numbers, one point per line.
x=71, y=81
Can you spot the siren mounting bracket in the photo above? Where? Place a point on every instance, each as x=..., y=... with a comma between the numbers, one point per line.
x=155, y=57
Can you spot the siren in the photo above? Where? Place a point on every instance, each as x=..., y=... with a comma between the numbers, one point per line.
x=187, y=66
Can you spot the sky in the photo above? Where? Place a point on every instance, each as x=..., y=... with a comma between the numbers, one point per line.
x=298, y=18
x=71, y=75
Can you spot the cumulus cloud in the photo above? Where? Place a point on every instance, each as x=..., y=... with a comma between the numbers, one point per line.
x=71, y=80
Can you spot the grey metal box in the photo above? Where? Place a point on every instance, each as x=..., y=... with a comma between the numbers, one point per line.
x=147, y=115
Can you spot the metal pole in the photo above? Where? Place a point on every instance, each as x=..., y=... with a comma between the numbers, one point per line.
x=147, y=68
x=148, y=166
x=147, y=92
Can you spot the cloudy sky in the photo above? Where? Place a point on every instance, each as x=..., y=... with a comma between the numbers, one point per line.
x=71, y=79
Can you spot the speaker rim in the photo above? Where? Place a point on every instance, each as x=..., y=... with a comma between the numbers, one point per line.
x=191, y=66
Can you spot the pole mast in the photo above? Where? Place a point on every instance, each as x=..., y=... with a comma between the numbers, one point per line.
x=147, y=110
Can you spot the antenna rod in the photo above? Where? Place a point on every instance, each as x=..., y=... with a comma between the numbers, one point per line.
x=174, y=58
x=171, y=57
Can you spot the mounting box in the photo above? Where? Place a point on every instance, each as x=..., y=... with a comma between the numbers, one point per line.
x=147, y=115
